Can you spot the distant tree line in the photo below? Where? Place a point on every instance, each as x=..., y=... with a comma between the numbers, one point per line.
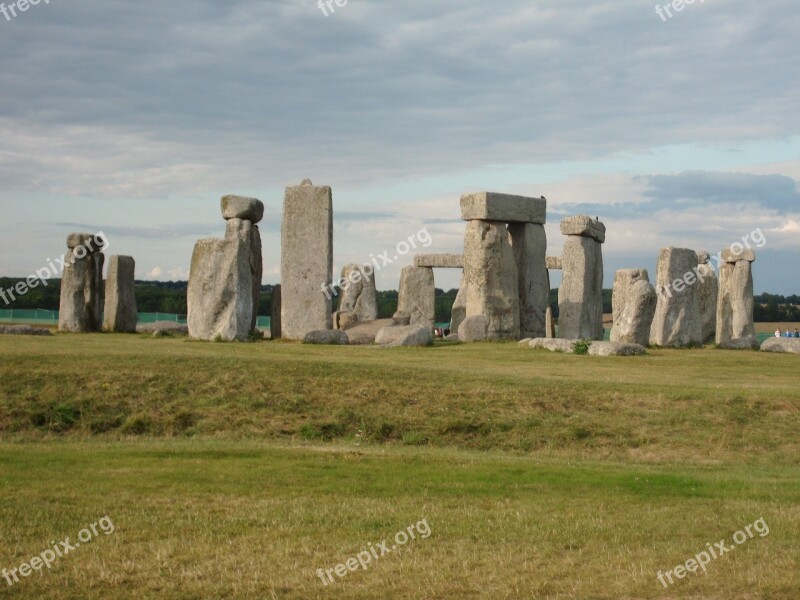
x=170, y=297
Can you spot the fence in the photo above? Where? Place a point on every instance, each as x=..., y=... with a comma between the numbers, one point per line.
x=37, y=316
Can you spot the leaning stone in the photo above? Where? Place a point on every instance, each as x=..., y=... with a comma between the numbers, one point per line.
x=707, y=296
x=492, y=280
x=439, y=261
x=585, y=226
x=239, y=207
x=275, y=313
x=506, y=208
x=731, y=256
x=677, y=322
x=120, y=314
x=784, y=345
x=634, y=303
x=554, y=345
x=306, y=260
x=331, y=337
x=410, y=335
x=580, y=297
x=529, y=243
x=616, y=349
x=417, y=296
x=554, y=262
x=735, y=303
x=23, y=330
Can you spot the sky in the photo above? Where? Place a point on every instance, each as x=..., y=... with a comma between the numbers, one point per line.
x=134, y=118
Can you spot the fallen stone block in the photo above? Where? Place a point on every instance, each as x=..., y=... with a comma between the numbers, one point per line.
x=330, y=337
x=23, y=330
x=409, y=335
x=782, y=345
x=616, y=349
x=554, y=345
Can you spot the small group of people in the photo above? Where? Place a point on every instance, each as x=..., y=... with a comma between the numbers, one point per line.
x=788, y=333
x=441, y=332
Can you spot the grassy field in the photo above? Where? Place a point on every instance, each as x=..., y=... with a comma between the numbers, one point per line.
x=238, y=470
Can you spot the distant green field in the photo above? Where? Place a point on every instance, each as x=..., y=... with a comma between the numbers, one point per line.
x=238, y=470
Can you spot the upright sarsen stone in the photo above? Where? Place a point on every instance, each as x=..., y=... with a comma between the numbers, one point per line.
x=677, y=321
x=707, y=294
x=735, y=303
x=359, y=299
x=529, y=242
x=120, y=314
x=634, y=302
x=417, y=296
x=81, y=305
x=580, y=297
x=306, y=260
x=275, y=313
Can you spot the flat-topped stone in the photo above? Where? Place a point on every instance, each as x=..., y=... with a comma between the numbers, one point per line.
x=584, y=226
x=439, y=261
x=733, y=255
x=554, y=262
x=241, y=207
x=506, y=208
x=787, y=345
x=616, y=349
x=330, y=337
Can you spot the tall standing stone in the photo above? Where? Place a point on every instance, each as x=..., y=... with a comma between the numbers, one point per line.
x=580, y=297
x=529, y=242
x=677, y=321
x=634, y=302
x=120, y=314
x=417, y=296
x=708, y=292
x=275, y=313
x=735, y=302
x=306, y=260
x=81, y=304
x=492, y=282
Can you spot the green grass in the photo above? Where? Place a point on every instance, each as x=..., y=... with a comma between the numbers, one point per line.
x=237, y=470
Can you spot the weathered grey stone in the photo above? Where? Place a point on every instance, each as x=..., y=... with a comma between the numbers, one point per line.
x=81, y=304
x=23, y=330
x=330, y=337
x=580, y=297
x=399, y=318
x=225, y=283
x=784, y=345
x=474, y=329
x=306, y=260
x=738, y=254
x=492, y=280
x=92, y=242
x=584, y=226
x=529, y=243
x=677, y=321
x=554, y=345
x=275, y=313
x=120, y=314
x=417, y=295
x=634, y=303
x=554, y=262
x=439, y=261
x=550, y=324
x=239, y=207
x=409, y=335
x=616, y=349
x=740, y=344
x=364, y=333
x=735, y=303
x=459, y=311
x=168, y=327
x=358, y=292
x=505, y=208
x=344, y=320
x=707, y=294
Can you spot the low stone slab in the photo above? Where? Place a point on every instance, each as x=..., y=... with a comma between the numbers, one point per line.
x=584, y=226
x=554, y=345
x=745, y=343
x=785, y=345
x=407, y=335
x=330, y=337
x=362, y=334
x=729, y=255
x=616, y=349
x=23, y=330
x=439, y=261
x=506, y=208
x=240, y=207
x=554, y=262
x=164, y=326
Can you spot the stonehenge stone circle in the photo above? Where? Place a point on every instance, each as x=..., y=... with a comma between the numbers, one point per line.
x=529, y=243
x=120, y=314
x=439, y=261
x=735, y=302
x=306, y=260
x=580, y=297
x=417, y=296
x=707, y=290
x=81, y=303
x=506, y=208
x=275, y=313
x=677, y=321
x=492, y=280
x=358, y=296
x=225, y=283
x=634, y=302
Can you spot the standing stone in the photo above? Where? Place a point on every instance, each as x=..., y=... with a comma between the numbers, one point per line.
x=459, y=311
x=677, y=321
x=120, y=314
x=634, y=301
x=580, y=297
x=81, y=304
x=735, y=302
x=225, y=284
x=550, y=325
x=306, y=260
x=417, y=296
x=492, y=282
x=708, y=292
x=358, y=293
x=275, y=313
x=529, y=242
